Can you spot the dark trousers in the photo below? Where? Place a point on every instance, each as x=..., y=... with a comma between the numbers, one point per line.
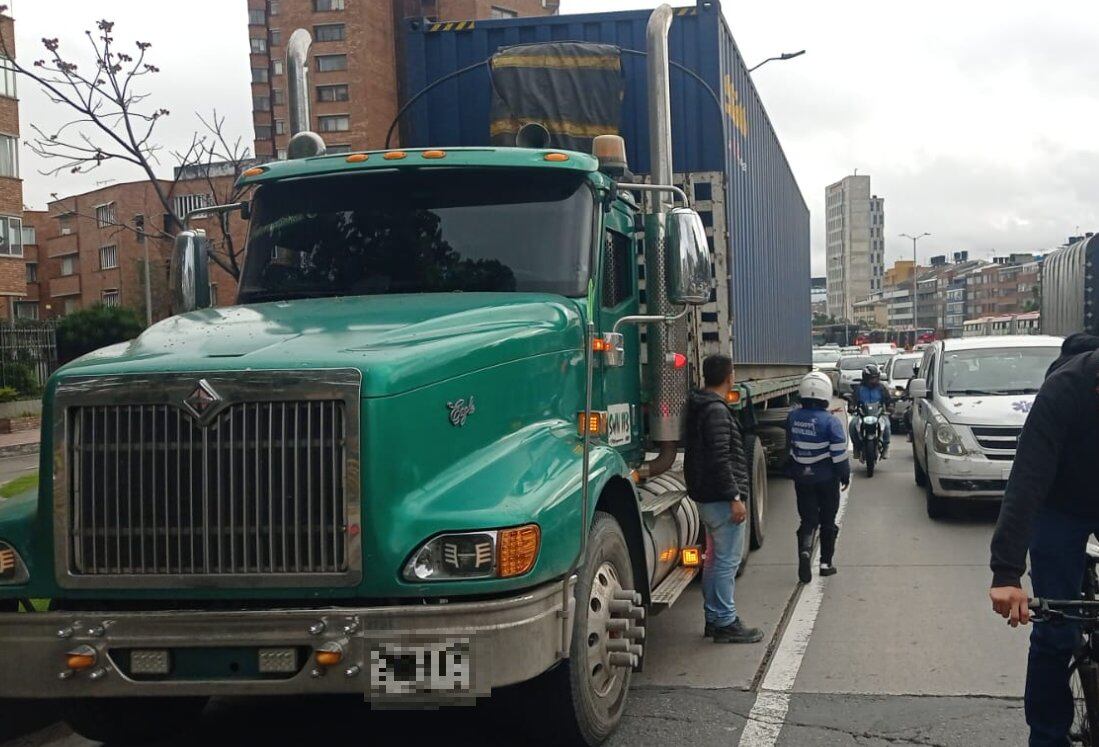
x=818, y=503
x=1057, y=549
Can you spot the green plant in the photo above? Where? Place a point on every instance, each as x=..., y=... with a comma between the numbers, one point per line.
x=8, y=394
x=93, y=328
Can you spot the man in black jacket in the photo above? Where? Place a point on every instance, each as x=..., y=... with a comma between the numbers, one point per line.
x=713, y=457
x=1050, y=507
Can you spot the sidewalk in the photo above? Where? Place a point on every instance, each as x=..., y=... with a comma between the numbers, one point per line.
x=20, y=442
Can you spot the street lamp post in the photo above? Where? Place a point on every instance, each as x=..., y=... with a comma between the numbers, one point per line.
x=783, y=57
x=915, y=286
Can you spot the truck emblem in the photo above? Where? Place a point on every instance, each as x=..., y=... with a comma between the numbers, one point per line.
x=460, y=410
x=201, y=399
x=1022, y=406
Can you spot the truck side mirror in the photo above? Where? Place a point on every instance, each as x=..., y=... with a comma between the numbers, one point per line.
x=917, y=389
x=689, y=275
x=190, y=272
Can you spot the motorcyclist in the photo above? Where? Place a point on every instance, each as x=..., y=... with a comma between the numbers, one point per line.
x=869, y=392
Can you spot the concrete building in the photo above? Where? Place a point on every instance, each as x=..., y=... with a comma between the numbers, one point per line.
x=13, y=280
x=873, y=311
x=353, y=66
x=854, y=230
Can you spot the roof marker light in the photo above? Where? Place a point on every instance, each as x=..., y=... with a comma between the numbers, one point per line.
x=357, y=157
x=434, y=154
x=395, y=155
x=556, y=157
x=254, y=171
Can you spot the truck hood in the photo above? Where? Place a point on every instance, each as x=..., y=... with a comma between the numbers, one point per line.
x=1003, y=410
x=398, y=342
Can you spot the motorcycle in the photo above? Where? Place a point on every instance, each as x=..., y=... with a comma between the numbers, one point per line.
x=870, y=430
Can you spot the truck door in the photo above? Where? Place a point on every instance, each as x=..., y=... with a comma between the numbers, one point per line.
x=620, y=387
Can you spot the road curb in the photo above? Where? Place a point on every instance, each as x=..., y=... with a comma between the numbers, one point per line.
x=19, y=450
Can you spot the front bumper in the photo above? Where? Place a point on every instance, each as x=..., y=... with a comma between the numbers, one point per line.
x=973, y=477
x=508, y=640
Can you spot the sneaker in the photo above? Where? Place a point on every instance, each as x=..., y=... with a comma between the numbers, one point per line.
x=805, y=572
x=709, y=631
x=827, y=569
x=737, y=632
x=858, y=454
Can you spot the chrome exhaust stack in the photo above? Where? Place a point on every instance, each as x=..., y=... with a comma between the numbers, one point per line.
x=303, y=142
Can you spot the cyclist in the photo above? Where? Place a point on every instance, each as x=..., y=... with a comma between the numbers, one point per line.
x=1050, y=508
x=869, y=392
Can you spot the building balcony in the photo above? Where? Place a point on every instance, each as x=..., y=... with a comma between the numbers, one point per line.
x=66, y=285
x=59, y=246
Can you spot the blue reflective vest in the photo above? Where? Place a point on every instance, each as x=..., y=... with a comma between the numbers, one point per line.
x=817, y=444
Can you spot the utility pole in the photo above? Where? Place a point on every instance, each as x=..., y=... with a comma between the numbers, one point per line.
x=915, y=286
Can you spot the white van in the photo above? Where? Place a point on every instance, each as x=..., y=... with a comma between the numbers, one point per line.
x=970, y=402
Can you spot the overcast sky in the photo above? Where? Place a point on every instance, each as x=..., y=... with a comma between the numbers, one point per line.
x=976, y=121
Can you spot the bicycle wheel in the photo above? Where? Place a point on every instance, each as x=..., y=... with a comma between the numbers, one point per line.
x=1085, y=696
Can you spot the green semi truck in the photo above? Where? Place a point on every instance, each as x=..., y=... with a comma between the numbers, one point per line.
x=421, y=459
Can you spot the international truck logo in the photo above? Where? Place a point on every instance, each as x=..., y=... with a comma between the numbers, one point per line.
x=202, y=399
x=460, y=409
x=468, y=556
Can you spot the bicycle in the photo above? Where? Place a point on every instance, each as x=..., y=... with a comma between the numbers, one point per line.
x=1084, y=670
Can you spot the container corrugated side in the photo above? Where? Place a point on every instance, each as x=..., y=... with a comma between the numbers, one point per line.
x=718, y=125
x=1070, y=296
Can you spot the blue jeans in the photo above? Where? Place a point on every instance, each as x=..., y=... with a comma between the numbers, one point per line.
x=724, y=543
x=1056, y=572
x=856, y=437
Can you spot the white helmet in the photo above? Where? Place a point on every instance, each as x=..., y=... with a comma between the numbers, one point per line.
x=816, y=385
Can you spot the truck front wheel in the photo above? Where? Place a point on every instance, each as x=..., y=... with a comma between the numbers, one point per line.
x=589, y=689
x=126, y=721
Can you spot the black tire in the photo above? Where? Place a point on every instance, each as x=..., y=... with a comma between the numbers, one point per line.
x=757, y=477
x=937, y=507
x=579, y=715
x=917, y=470
x=746, y=546
x=871, y=457
x=126, y=721
x=1084, y=677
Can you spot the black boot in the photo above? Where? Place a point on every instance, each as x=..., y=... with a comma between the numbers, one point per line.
x=828, y=549
x=805, y=555
x=737, y=632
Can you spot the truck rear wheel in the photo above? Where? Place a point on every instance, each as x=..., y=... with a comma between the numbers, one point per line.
x=126, y=721
x=757, y=474
x=588, y=691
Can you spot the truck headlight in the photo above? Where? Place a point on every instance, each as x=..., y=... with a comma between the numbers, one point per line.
x=946, y=440
x=495, y=553
x=12, y=568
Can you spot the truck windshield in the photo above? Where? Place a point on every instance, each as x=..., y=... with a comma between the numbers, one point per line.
x=423, y=231
x=989, y=371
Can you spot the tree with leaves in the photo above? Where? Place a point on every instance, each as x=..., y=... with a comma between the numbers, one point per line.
x=113, y=119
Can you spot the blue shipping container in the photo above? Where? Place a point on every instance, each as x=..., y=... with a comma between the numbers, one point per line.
x=718, y=125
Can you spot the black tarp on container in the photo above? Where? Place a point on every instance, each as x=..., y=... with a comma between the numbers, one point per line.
x=572, y=89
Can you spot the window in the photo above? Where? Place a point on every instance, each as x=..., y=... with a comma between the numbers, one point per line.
x=256, y=17
x=261, y=103
x=280, y=126
x=277, y=67
x=280, y=98
x=322, y=6
x=213, y=294
x=327, y=63
x=281, y=154
x=9, y=156
x=30, y=236
x=105, y=215
x=617, y=270
x=337, y=123
x=186, y=203
x=71, y=305
x=333, y=93
x=11, y=236
x=273, y=7
x=110, y=298
x=330, y=32
x=108, y=257
x=32, y=272
x=498, y=12
x=263, y=132
x=7, y=79
x=260, y=75
x=68, y=265
x=25, y=309
x=275, y=37
x=259, y=45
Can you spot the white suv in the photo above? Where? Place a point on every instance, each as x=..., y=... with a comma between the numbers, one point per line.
x=970, y=402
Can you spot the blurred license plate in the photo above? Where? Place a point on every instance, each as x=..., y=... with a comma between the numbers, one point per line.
x=410, y=669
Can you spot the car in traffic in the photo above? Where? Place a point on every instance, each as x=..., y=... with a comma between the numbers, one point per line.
x=970, y=399
x=825, y=360
x=851, y=350
x=900, y=369
x=850, y=371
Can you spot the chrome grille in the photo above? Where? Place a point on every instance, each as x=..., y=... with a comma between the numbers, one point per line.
x=1000, y=442
x=258, y=488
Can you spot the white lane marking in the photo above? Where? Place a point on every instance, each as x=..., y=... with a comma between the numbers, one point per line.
x=768, y=714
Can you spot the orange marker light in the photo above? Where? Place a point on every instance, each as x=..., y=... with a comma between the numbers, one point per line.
x=599, y=345
x=357, y=158
x=733, y=397
x=395, y=155
x=595, y=424
x=80, y=658
x=517, y=549
x=691, y=557
x=556, y=157
x=329, y=657
x=254, y=171
x=434, y=154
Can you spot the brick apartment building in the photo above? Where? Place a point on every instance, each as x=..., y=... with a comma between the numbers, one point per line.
x=37, y=228
x=13, y=283
x=1008, y=286
x=353, y=68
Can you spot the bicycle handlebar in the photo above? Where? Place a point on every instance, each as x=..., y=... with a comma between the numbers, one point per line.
x=1058, y=610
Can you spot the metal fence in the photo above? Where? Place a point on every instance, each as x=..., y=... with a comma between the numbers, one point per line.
x=28, y=354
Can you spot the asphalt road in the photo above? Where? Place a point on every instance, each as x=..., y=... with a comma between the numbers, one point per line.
x=899, y=648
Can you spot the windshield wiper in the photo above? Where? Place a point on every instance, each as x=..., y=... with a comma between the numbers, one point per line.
x=973, y=392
